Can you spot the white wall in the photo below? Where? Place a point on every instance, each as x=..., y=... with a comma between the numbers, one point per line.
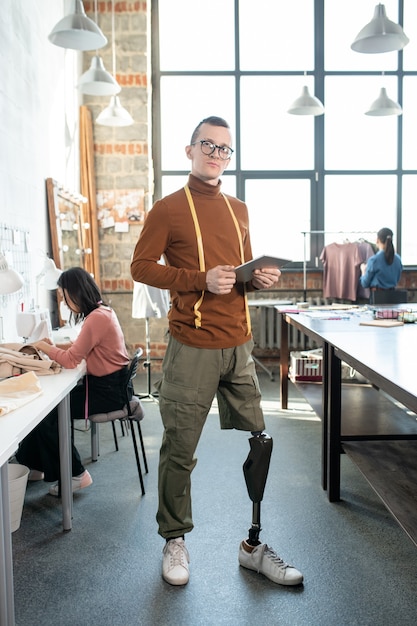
x=38, y=125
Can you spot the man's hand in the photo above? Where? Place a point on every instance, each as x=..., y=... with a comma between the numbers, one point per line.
x=220, y=279
x=265, y=278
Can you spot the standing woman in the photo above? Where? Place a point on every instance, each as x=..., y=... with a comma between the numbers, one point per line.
x=101, y=343
x=383, y=270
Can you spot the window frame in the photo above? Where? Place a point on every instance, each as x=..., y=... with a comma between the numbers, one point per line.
x=318, y=174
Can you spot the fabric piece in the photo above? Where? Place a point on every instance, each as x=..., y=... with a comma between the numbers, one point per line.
x=18, y=391
x=341, y=270
x=16, y=359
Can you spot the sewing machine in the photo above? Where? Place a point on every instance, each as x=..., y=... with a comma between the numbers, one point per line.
x=34, y=325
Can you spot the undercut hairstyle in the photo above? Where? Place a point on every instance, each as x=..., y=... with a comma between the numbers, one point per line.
x=82, y=289
x=385, y=236
x=213, y=120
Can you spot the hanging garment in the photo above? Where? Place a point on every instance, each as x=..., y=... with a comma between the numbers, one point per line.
x=366, y=251
x=341, y=270
x=149, y=301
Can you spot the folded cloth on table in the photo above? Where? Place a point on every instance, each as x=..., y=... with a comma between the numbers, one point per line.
x=17, y=391
x=16, y=358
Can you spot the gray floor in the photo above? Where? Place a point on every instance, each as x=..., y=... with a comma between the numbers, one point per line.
x=359, y=566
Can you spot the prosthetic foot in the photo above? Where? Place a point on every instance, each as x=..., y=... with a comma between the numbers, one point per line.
x=255, y=470
x=253, y=554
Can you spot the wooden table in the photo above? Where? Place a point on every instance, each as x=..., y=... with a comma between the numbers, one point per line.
x=383, y=447
x=14, y=427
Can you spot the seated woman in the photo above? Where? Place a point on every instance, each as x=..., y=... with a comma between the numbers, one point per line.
x=101, y=343
x=383, y=270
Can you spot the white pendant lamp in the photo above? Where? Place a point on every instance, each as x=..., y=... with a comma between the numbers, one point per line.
x=97, y=81
x=306, y=104
x=10, y=280
x=384, y=106
x=380, y=35
x=77, y=31
x=114, y=114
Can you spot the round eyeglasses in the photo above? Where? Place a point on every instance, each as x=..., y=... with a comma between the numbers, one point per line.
x=208, y=148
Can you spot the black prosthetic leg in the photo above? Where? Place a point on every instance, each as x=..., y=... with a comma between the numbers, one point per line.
x=255, y=469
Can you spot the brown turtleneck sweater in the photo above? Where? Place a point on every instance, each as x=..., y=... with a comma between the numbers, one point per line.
x=169, y=230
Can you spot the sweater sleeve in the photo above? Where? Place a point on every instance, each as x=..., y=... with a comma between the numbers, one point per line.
x=366, y=279
x=152, y=243
x=87, y=339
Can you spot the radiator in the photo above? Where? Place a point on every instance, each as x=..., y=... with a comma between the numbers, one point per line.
x=267, y=331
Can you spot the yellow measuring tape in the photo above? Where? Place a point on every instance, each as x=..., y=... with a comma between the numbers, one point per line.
x=201, y=259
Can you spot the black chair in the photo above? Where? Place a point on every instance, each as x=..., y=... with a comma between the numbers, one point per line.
x=131, y=413
x=388, y=296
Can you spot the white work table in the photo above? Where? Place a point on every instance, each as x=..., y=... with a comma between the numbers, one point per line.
x=14, y=427
x=379, y=438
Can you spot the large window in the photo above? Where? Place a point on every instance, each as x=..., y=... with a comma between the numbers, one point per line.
x=307, y=180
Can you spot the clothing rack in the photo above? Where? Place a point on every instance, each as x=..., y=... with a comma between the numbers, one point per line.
x=324, y=232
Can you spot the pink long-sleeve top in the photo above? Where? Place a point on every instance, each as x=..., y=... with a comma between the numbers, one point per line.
x=100, y=342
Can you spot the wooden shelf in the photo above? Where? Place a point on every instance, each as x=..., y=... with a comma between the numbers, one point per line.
x=390, y=467
x=366, y=412
x=380, y=438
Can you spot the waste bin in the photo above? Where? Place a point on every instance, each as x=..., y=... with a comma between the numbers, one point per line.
x=18, y=478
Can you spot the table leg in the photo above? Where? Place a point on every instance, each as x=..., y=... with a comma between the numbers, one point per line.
x=334, y=425
x=6, y=559
x=325, y=415
x=64, y=417
x=283, y=363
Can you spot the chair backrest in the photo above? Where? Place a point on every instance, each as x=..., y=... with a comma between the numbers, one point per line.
x=388, y=296
x=133, y=368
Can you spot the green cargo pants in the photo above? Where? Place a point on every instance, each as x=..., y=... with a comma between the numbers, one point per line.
x=191, y=378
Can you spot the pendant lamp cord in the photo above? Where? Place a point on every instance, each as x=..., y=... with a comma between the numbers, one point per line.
x=113, y=43
x=96, y=18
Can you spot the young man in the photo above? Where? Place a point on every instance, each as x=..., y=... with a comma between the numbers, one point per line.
x=203, y=234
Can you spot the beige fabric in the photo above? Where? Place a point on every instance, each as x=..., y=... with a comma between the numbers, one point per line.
x=17, y=358
x=17, y=391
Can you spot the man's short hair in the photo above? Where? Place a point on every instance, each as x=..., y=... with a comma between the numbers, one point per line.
x=213, y=120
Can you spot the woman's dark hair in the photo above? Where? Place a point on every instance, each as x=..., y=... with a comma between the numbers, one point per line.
x=385, y=236
x=82, y=289
x=213, y=121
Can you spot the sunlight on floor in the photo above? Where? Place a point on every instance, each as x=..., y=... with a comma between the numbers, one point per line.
x=297, y=410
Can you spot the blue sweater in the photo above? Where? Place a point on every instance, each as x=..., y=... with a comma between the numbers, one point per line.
x=380, y=274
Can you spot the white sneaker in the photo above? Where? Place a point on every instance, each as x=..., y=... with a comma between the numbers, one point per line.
x=175, y=562
x=264, y=560
x=78, y=482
